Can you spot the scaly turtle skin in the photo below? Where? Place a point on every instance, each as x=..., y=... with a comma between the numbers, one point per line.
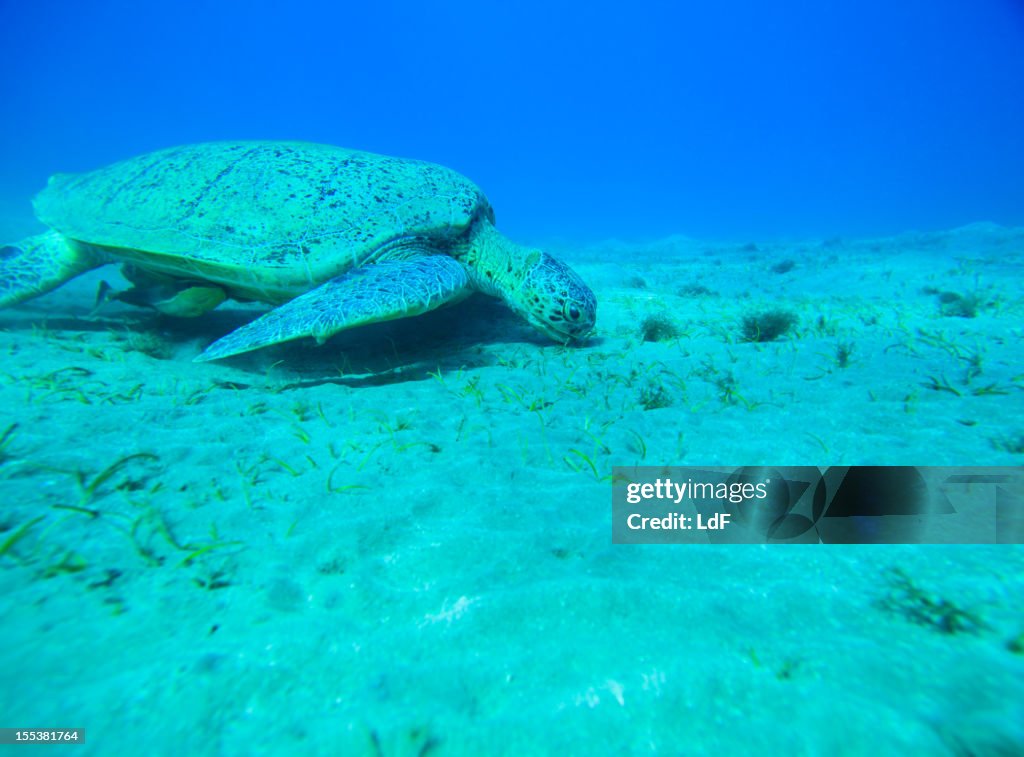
x=333, y=238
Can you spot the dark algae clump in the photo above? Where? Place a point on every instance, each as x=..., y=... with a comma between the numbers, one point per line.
x=767, y=325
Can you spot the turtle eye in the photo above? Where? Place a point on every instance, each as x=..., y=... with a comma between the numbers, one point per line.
x=574, y=313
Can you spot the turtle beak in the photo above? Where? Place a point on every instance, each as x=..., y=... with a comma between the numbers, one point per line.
x=564, y=332
x=552, y=333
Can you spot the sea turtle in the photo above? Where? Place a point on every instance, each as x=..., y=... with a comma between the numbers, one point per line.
x=333, y=238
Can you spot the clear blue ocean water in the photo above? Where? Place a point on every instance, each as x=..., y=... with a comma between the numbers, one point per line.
x=736, y=121
x=400, y=541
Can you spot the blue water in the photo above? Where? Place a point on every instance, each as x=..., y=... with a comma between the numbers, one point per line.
x=726, y=120
x=400, y=542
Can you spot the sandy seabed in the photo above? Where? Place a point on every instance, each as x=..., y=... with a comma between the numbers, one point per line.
x=399, y=542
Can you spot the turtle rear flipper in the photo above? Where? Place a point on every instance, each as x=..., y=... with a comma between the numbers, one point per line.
x=169, y=295
x=382, y=291
x=38, y=264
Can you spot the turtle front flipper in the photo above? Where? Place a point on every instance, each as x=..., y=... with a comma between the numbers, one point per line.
x=382, y=291
x=38, y=264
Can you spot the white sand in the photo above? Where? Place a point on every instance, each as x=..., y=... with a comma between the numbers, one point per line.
x=396, y=544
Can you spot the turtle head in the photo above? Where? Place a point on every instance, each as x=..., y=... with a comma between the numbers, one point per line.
x=554, y=299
